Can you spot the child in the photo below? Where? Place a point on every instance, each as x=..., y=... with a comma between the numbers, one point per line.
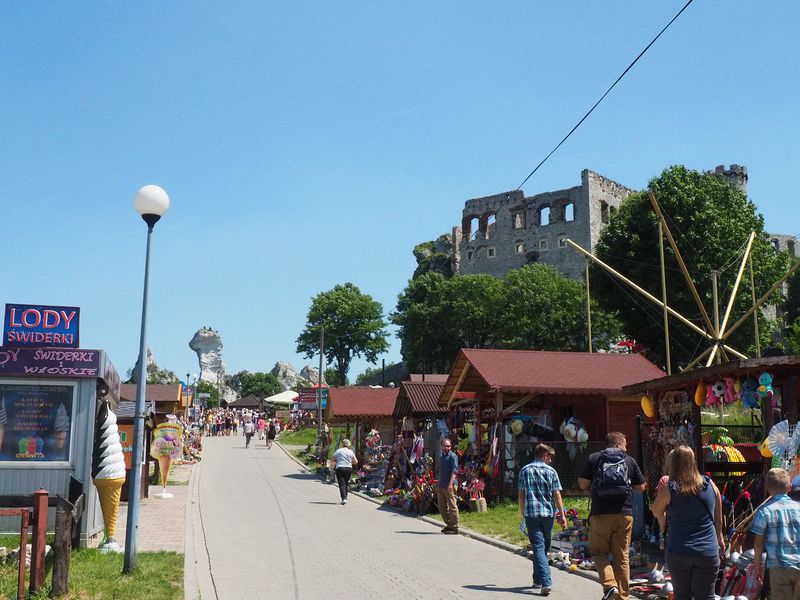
x=776, y=526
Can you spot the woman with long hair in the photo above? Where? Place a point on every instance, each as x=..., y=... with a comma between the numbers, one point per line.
x=693, y=525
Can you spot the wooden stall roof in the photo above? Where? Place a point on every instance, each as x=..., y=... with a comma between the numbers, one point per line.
x=154, y=392
x=751, y=367
x=249, y=401
x=480, y=371
x=358, y=402
x=418, y=398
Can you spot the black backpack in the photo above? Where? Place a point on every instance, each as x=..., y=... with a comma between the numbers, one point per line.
x=611, y=478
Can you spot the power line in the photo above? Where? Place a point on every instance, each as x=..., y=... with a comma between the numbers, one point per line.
x=630, y=66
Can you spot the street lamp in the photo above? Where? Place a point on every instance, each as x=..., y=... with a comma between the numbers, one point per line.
x=151, y=203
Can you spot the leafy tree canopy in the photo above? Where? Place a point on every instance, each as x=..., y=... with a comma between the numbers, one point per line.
x=534, y=308
x=332, y=377
x=711, y=221
x=371, y=372
x=353, y=323
x=261, y=385
x=209, y=388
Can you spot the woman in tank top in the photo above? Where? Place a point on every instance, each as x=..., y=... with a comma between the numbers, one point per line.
x=693, y=525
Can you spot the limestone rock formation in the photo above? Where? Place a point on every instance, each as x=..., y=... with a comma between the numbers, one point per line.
x=207, y=343
x=290, y=379
x=154, y=373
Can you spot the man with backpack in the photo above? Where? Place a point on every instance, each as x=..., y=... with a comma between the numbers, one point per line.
x=612, y=476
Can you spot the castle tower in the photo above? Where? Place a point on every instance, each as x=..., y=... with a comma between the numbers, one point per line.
x=736, y=176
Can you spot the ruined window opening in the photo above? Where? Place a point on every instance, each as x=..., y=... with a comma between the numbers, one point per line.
x=543, y=245
x=470, y=254
x=491, y=224
x=776, y=244
x=518, y=219
x=474, y=228
x=790, y=248
x=603, y=212
x=562, y=242
x=519, y=248
x=544, y=215
x=569, y=212
x=490, y=252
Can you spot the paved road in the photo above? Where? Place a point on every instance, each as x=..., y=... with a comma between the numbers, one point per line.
x=261, y=527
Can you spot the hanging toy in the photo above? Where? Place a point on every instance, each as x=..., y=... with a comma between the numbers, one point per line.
x=737, y=388
x=718, y=389
x=764, y=450
x=765, y=388
x=711, y=397
x=647, y=407
x=729, y=395
x=750, y=394
x=700, y=394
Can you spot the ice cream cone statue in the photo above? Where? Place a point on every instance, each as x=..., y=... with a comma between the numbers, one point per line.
x=167, y=446
x=108, y=472
x=3, y=420
x=61, y=426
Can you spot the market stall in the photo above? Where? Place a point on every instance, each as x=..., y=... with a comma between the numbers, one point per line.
x=726, y=413
x=509, y=400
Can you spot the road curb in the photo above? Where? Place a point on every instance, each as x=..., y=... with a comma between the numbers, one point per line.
x=190, y=587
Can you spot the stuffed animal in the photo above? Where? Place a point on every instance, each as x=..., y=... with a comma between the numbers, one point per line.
x=711, y=397
x=729, y=395
x=750, y=394
x=765, y=388
x=700, y=394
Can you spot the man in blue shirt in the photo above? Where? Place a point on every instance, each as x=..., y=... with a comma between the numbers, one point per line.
x=539, y=494
x=776, y=527
x=445, y=487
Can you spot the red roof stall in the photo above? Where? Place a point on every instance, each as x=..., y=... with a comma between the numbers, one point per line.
x=523, y=397
x=364, y=407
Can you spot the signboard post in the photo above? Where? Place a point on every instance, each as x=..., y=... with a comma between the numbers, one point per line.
x=50, y=326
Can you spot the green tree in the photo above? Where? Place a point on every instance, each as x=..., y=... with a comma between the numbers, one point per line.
x=474, y=303
x=429, y=334
x=792, y=339
x=793, y=299
x=711, y=221
x=370, y=372
x=209, y=388
x=261, y=385
x=332, y=377
x=353, y=323
x=544, y=310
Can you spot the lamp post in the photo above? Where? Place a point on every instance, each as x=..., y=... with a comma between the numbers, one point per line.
x=151, y=203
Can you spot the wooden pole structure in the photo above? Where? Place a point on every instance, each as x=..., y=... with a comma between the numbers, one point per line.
x=755, y=312
x=588, y=306
x=664, y=294
x=762, y=300
x=643, y=292
x=681, y=264
x=715, y=299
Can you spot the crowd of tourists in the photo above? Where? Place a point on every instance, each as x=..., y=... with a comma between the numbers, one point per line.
x=216, y=422
x=688, y=508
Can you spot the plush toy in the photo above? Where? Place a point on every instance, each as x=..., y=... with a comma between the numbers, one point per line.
x=737, y=389
x=729, y=395
x=750, y=394
x=718, y=389
x=647, y=407
x=711, y=397
x=700, y=394
x=765, y=388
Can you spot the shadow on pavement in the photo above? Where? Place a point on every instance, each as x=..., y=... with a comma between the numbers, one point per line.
x=525, y=590
x=301, y=476
x=421, y=532
x=331, y=503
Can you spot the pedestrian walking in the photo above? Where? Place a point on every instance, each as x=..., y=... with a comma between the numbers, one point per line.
x=539, y=495
x=693, y=525
x=260, y=426
x=249, y=428
x=270, y=433
x=445, y=487
x=776, y=528
x=343, y=460
x=612, y=476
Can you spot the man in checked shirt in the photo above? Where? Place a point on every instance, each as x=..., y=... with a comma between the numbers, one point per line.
x=539, y=492
x=776, y=528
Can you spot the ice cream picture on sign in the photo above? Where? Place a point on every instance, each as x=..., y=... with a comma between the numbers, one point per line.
x=108, y=469
x=167, y=446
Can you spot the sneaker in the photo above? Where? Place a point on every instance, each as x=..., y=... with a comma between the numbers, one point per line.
x=537, y=586
x=451, y=530
x=610, y=593
x=546, y=589
x=445, y=529
x=344, y=501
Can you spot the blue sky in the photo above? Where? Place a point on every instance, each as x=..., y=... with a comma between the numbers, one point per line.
x=305, y=144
